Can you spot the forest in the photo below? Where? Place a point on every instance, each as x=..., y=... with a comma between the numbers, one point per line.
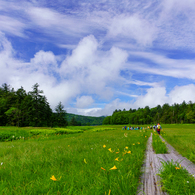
x=19, y=108
x=79, y=120
x=166, y=114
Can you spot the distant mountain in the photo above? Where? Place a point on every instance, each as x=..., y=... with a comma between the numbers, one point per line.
x=85, y=120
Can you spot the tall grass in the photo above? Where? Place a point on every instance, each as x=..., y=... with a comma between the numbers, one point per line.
x=80, y=163
x=176, y=180
x=158, y=145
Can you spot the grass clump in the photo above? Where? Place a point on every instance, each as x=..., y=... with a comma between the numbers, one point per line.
x=176, y=180
x=102, y=129
x=62, y=131
x=35, y=132
x=158, y=145
x=6, y=135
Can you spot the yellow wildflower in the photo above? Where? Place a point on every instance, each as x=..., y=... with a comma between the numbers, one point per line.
x=104, y=146
x=85, y=161
x=177, y=168
x=53, y=178
x=138, y=142
x=133, y=144
x=109, y=192
x=68, y=145
x=126, y=147
x=129, y=152
x=103, y=169
x=116, y=159
x=110, y=149
x=113, y=168
x=117, y=152
x=180, y=165
x=145, y=136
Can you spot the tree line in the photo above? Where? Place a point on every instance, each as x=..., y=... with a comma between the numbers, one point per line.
x=79, y=120
x=166, y=114
x=21, y=108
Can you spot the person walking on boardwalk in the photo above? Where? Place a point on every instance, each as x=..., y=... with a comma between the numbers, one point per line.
x=158, y=128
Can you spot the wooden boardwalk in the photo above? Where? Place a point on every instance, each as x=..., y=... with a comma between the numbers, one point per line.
x=150, y=181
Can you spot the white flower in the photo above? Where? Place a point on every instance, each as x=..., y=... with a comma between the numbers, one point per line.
x=187, y=181
x=1, y=163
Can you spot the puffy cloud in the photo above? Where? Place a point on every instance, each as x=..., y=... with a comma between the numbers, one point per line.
x=44, y=62
x=153, y=97
x=181, y=93
x=92, y=68
x=84, y=101
x=82, y=56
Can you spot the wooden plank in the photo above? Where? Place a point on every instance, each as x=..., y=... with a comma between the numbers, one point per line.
x=150, y=180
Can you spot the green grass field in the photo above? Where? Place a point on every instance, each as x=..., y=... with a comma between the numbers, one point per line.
x=182, y=138
x=100, y=160
x=86, y=160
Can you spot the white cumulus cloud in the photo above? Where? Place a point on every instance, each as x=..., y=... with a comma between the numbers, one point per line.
x=84, y=101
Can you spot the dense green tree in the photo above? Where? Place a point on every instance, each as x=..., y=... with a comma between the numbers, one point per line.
x=107, y=120
x=83, y=120
x=60, y=115
x=22, y=109
x=73, y=122
x=177, y=113
x=13, y=116
x=190, y=116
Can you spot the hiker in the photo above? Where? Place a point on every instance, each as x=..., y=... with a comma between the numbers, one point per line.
x=158, y=128
x=125, y=127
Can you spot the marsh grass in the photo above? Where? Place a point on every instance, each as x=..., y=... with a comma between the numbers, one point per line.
x=158, y=145
x=13, y=133
x=76, y=161
x=176, y=180
x=182, y=138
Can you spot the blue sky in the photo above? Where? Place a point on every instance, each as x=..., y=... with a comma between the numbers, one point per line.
x=98, y=56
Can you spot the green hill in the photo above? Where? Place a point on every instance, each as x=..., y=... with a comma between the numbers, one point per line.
x=85, y=120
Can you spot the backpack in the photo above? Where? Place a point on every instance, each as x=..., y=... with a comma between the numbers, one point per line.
x=158, y=127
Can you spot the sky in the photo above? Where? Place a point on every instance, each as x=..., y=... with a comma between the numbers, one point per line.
x=98, y=56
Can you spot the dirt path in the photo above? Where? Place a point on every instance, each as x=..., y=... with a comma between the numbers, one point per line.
x=150, y=181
